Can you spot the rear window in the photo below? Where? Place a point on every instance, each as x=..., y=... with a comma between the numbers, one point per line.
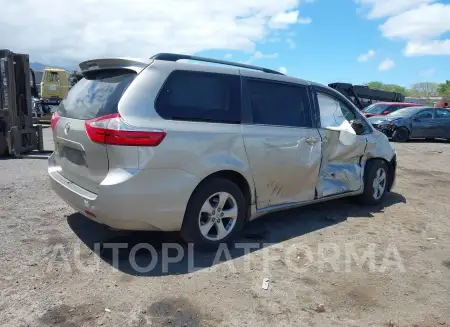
x=199, y=96
x=96, y=95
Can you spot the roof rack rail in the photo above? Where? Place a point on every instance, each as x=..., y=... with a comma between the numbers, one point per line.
x=176, y=57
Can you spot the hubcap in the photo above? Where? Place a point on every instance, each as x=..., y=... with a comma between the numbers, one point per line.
x=379, y=183
x=218, y=216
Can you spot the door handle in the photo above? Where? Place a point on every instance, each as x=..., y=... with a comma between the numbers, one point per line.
x=311, y=140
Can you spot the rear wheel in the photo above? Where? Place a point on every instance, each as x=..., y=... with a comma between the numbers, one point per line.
x=215, y=214
x=376, y=182
x=401, y=134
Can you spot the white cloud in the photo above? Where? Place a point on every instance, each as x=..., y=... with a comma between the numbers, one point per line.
x=366, y=56
x=282, y=70
x=435, y=47
x=76, y=30
x=291, y=43
x=228, y=56
x=386, y=64
x=304, y=20
x=258, y=55
x=282, y=20
x=422, y=24
x=384, y=8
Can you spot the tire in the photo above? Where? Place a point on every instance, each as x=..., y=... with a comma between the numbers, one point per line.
x=375, y=169
x=198, y=214
x=401, y=134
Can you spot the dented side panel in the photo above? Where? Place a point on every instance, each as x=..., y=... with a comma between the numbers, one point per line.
x=284, y=162
x=378, y=146
x=341, y=167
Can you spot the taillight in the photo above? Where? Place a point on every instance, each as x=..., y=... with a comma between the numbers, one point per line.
x=54, y=121
x=112, y=130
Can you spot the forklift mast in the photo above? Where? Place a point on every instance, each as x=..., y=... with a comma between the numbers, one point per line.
x=18, y=134
x=362, y=95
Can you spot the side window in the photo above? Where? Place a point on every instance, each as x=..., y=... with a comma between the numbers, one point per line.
x=393, y=108
x=441, y=113
x=348, y=114
x=428, y=113
x=199, y=96
x=332, y=111
x=279, y=104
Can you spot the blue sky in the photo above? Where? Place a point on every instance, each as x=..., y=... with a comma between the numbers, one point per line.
x=356, y=41
x=327, y=49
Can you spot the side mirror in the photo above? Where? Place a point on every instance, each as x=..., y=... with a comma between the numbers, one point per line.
x=358, y=126
x=416, y=118
x=385, y=112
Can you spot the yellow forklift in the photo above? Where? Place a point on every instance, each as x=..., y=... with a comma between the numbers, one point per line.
x=53, y=88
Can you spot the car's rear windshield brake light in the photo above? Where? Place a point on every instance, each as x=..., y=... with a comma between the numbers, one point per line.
x=112, y=130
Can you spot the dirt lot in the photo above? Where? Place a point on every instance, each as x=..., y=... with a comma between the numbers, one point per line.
x=50, y=276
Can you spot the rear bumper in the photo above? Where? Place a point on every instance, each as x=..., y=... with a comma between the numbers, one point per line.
x=153, y=199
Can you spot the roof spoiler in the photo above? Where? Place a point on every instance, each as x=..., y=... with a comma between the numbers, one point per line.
x=136, y=65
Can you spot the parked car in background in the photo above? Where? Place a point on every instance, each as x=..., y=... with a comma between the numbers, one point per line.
x=385, y=108
x=415, y=122
x=165, y=145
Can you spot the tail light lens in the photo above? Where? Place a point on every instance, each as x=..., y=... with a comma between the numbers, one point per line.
x=112, y=130
x=54, y=121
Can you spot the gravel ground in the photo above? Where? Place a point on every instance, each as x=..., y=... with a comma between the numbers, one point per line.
x=50, y=275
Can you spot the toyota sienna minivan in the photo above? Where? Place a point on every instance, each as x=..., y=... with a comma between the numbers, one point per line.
x=164, y=144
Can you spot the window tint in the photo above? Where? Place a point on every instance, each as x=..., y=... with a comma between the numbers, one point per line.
x=199, y=96
x=279, y=104
x=96, y=95
x=428, y=113
x=441, y=113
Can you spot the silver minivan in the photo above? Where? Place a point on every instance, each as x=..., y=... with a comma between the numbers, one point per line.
x=164, y=144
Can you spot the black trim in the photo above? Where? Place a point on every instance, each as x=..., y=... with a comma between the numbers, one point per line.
x=175, y=57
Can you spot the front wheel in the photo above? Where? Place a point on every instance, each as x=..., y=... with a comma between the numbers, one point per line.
x=215, y=214
x=401, y=134
x=376, y=182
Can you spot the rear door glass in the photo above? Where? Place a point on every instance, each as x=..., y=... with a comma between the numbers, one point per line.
x=199, y=96
x=96, y=95
x=279, y=104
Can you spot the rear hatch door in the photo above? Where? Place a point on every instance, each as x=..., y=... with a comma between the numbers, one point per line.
x=81, y=160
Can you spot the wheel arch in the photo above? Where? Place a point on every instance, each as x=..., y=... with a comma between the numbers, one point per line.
x=233, y=176
x=392, y=165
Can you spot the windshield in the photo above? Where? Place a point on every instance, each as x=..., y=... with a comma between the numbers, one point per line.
x=401, y=112
x=376, y=108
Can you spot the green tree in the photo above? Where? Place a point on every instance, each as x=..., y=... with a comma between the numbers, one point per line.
x=387, y=87
x=425, y=89
x=444, y=88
